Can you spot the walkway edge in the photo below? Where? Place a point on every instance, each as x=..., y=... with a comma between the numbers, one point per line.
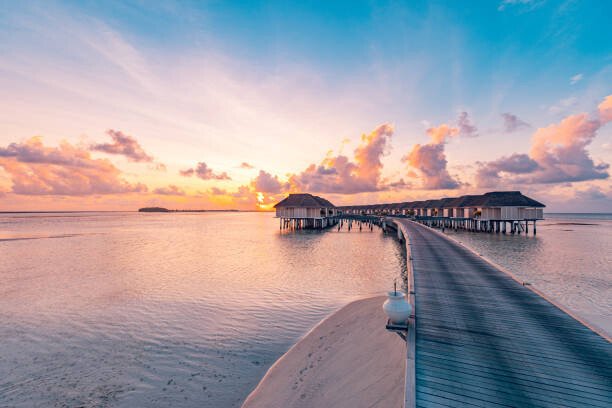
x=410, y=390
x=594, y=328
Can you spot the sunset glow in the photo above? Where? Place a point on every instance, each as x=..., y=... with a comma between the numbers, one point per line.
x=116, y=106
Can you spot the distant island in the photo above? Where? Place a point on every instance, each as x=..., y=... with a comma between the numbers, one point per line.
x=162, y=209
x=153, y=209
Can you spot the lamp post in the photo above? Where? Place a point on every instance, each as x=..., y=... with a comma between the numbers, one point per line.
x=398, y=310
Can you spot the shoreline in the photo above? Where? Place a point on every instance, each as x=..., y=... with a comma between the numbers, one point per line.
x=348, y=359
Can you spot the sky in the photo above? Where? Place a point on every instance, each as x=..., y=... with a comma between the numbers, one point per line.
x=232, y=105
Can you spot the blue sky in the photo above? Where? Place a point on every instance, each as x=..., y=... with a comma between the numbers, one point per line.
x=279, y=84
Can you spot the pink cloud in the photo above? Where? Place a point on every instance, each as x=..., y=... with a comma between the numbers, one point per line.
x=124, y=145
x=557, y=155
x=218, y=191
x=605, y=110
x=338, y=174
x=247, y=166
x=169, y=190
x=35, y=169
x=204, y=172
x=266, y=183
x=488, y=175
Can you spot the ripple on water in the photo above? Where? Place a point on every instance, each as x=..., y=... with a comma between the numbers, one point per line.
x=165, y=310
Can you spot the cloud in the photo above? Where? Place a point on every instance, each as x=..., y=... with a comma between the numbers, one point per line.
x=124, y=145
x=218, y=191
x=561, y=151
x=557, y=155
x=244, y=196
x=576, y=78
x=604, y=110
x=512, y=122
x=591, y=193
x=338, y=174
x=169, y=190
x=466, y=128
x=247, y=166
x=159, y=167
x=563, y=105
x=204, y=172
x=430, y=159
x=67, y=170
x=441, y=133
x=488, y=175
x=266, y=183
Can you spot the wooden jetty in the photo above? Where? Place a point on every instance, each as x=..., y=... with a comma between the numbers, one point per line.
x=478, y=336
x=482, y=339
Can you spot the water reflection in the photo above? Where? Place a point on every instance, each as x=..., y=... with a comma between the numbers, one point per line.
x=167, y=309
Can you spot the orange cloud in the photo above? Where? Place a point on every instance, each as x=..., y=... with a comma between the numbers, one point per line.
x=430, y=158
x=441, y=133
x=431, y=162
x=35, y=169
x=338, y=174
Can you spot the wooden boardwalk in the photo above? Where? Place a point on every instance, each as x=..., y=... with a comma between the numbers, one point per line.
x=484, y=340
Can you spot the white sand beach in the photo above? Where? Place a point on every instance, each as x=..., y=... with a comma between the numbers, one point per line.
x=348, y=360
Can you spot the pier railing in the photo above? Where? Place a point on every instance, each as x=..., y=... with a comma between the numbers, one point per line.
x=410, y=388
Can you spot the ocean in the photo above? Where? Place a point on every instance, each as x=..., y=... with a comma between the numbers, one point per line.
x=159, y=310
x=191, y=309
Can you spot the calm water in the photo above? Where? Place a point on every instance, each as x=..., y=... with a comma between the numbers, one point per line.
x=570, y=260
x=159, y=310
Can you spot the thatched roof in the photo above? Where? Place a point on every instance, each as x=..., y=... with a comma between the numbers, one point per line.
x=491, y=199
x=304, y=200
x=509, y=199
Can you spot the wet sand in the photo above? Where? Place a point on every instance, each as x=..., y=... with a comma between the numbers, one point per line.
x=348, y=360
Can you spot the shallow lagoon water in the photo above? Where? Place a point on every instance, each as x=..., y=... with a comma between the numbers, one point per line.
x=185, y=310
x=157, y=310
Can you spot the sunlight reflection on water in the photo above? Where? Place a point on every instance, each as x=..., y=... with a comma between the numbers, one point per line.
x=131, y=309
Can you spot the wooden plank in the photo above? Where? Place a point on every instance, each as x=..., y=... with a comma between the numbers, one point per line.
x=483, y=339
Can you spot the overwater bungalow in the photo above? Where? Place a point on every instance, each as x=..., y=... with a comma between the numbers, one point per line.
x=488, y=212
x=491, y=211
x=299, y=211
